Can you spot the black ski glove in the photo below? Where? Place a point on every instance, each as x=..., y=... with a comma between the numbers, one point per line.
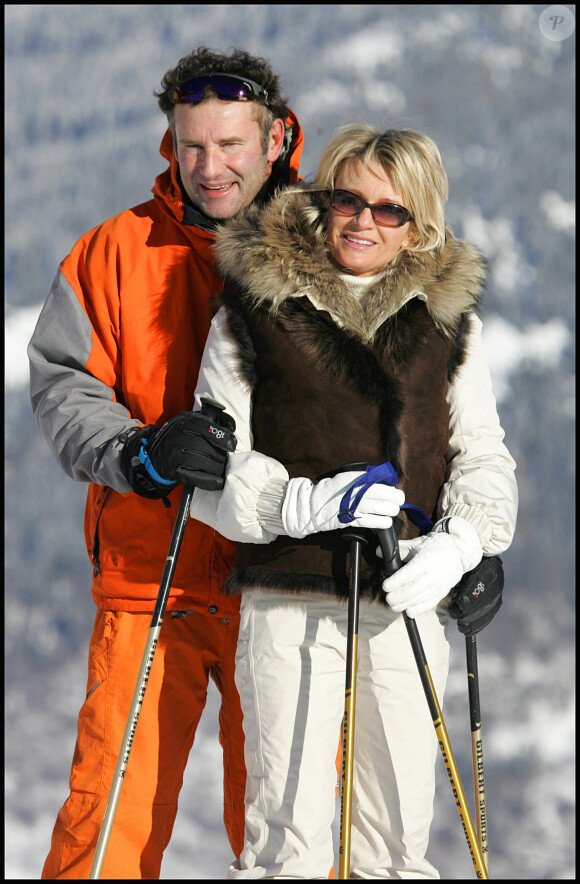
x=478, y=596
x=192, y=448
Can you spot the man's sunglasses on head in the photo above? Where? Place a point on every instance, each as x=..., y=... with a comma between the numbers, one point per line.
x=228, y=87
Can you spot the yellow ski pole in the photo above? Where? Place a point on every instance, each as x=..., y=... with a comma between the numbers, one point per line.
x=392, y=559
x=356, y=539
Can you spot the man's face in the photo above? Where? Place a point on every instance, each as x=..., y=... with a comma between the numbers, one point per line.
x=221, y=159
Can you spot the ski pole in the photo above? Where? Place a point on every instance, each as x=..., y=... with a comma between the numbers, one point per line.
x=477, y=746
x=189, y=479
x=356, y=540
x=142, y=679
x=389, y=547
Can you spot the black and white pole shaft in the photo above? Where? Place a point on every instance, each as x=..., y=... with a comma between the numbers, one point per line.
x=142, y=679
x=389, y=548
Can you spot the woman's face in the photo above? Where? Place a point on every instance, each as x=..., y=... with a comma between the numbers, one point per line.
x=356, y=242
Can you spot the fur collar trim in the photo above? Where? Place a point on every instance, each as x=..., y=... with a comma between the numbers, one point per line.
x=279, y=252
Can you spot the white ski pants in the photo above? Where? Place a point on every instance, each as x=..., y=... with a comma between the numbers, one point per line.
x=290, y=673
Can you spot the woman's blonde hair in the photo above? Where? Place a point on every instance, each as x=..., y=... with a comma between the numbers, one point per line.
x=414, y=166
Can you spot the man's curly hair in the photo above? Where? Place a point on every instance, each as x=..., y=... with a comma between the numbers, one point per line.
x=239, y=62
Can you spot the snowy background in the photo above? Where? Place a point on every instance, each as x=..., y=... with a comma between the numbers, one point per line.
x=82, y=137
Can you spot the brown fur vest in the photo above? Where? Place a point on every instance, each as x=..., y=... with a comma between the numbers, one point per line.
x=370, y=389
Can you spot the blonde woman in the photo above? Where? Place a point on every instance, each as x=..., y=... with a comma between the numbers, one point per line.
x=348, y=333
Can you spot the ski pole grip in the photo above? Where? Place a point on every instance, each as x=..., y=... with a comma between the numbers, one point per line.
x=214, y=411
x=390, y=549
x=198, y=479
x=211, y=408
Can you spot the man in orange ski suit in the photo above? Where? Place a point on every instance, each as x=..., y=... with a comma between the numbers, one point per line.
x=117, y=349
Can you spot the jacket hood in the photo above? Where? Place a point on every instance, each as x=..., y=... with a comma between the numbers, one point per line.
x=167, y=187
x=169, y=190
x=280, y=252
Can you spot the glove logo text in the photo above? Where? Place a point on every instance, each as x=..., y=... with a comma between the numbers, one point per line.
x=479, y=589
x=219, y=434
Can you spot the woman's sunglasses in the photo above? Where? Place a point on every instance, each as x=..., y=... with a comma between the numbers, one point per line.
x=228, y=87
x=384, y=214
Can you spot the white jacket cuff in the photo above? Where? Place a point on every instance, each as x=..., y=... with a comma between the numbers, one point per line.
x=234, y=511
x=477, y=518
x=269, y=506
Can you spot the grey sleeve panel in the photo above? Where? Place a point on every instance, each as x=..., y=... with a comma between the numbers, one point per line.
x=77, y=412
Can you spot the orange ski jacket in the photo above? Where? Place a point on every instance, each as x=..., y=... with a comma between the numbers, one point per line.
x=118, y=345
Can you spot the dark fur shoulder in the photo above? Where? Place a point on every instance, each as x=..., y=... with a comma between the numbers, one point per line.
x=242, y=579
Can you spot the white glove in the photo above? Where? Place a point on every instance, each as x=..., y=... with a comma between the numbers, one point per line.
x=308, y=508
x=433, y=564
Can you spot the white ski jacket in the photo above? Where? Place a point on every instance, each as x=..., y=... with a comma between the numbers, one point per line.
x=480, y=484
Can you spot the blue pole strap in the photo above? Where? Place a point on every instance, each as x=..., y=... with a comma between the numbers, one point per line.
x=386, y=474
x=149, y=468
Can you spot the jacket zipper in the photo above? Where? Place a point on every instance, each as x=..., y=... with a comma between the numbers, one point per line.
x=106, y=493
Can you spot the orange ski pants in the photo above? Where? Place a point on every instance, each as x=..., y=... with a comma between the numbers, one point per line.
x=190, y=650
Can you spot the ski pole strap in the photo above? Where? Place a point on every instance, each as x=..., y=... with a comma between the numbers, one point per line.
x=149, y=468
x=386, y=474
